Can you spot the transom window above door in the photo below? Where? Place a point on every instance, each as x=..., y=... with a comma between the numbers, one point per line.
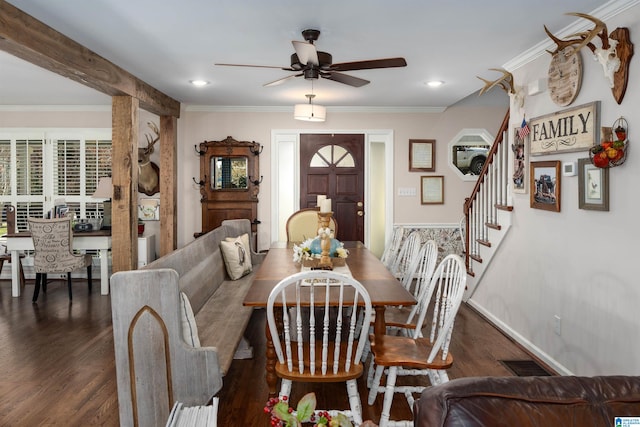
x=332, y=155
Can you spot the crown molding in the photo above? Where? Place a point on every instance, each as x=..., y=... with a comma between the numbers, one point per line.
x=604, y=12
x=54, y=108
x=289, y=109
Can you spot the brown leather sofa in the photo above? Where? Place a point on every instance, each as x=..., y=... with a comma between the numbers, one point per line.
x=529, y=401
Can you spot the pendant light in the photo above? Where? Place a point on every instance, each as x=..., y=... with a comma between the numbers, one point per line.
x=310, y=112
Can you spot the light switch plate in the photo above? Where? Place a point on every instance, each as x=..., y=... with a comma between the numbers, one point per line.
x=569, y=168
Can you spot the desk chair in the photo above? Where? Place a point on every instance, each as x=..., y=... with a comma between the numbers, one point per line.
x=303, y=225
x=417, y=355
x=315, y=331
x=53, y=253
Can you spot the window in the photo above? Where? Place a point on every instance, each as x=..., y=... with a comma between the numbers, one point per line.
x=52, y=165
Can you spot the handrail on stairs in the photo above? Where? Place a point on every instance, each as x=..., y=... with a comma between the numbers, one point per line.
x=480, y=214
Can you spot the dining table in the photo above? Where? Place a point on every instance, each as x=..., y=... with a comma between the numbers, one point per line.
x=383, y=288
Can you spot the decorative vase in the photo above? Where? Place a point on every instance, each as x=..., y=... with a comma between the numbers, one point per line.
x=316, y=246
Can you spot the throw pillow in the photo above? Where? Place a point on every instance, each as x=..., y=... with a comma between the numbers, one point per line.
x=237, y=256
x=189, y=327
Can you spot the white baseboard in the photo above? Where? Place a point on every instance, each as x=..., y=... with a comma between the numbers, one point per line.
x=554, y=364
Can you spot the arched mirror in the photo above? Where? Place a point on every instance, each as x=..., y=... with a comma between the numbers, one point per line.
x=468, y=151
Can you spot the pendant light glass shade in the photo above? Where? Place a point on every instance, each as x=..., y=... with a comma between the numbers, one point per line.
x=310, y=112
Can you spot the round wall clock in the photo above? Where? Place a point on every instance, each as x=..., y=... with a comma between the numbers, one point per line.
x=565, y=76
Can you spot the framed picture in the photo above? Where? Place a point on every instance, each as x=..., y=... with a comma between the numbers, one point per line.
x=574, y=129
x=545, y=185
x=519, y=163
x=149, y=209
x=422, y=155
x=432, y=190
x=593, y=186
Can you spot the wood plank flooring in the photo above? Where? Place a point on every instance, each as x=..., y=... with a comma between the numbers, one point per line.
x=57, y=365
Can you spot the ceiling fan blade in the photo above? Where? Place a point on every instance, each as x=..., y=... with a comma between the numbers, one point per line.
x=282, y=80
x=346, y=79
x=307, y=53
x=257, y=66
x=369, y=65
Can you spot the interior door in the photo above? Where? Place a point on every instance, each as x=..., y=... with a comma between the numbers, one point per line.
x=333, y=165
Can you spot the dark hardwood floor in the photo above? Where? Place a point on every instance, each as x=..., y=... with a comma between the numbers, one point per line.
x=57, y=364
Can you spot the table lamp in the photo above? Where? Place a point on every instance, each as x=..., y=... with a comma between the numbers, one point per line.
x=104, y=191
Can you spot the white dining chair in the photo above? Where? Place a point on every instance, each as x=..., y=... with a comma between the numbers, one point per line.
x=313, y=318
x=425, y=356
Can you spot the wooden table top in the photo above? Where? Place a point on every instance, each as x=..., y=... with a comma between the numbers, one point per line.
x=383, y=288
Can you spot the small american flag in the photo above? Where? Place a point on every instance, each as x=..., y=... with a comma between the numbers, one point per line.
x=524, y=129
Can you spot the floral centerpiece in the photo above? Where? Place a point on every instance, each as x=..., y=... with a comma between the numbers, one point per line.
x=311, y=249
x=282, y=415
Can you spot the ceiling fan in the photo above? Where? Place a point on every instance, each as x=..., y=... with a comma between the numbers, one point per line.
x=313, y=64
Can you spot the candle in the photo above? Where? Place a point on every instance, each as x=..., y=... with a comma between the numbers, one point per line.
x=326, y=205
x=320, y=199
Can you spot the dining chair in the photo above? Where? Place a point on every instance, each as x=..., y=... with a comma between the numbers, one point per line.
x=392, y=247
x=402, y=319
x=53, y=253
x=313, y=317
x=424, y=356
x=303, y=225
x=408, y=252
x=10, y=224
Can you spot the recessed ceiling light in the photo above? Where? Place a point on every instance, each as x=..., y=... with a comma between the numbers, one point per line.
x=435, y=83
x=199, y=83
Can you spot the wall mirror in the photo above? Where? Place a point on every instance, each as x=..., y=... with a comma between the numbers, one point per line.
x=468, y=151
x=229, y=173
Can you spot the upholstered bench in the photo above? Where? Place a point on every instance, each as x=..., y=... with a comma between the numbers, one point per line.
x=178, y=322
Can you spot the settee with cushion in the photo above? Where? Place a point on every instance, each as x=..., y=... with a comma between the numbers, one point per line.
x=179, y=321
x=529, y=401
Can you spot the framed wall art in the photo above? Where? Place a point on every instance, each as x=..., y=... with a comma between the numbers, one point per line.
x=574, y=129
x=422, y=155
x=432, y=190
x=519, y=163
x=593, y=186
x=545, y=185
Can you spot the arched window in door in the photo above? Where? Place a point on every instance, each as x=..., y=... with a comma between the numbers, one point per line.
x=332, y=155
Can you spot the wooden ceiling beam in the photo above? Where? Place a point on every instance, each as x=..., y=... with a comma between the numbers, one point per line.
x=27, y=38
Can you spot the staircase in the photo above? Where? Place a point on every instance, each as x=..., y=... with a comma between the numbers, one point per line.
x=487, y=212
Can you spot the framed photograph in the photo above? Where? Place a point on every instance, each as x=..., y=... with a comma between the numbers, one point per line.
x=593, y=186
x=519, y=163
x=545, y=185
x=422, y=155
x=432, y=190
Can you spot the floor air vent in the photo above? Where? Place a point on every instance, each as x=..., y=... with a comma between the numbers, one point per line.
x=526, y=368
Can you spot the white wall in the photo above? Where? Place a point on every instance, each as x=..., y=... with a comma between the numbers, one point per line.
x=576, y=264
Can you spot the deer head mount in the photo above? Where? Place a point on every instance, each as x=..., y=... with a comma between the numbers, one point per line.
x=613, y=53
x=148, y=172
x=507, y=84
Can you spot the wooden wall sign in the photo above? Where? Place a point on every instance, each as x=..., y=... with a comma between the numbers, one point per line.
x=575, y=129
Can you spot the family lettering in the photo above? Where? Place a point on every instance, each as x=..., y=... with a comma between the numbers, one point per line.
x=570, y=130
x=561, y=128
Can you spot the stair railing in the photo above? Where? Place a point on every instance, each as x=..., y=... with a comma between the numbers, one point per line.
x=488, y=195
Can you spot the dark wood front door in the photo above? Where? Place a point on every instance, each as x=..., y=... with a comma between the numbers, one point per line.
x=333, y=165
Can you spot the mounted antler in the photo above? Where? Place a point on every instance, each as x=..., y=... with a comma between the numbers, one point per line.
x=148, y=172
x=151, y=140
x=581, y=39
x=507, y=84
x=613, y=54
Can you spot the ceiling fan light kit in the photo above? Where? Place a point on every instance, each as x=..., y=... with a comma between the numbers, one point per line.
x=310, y=112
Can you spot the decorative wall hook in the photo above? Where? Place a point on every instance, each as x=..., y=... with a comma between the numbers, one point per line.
x=201, y=182
x=256, y=181
x=200, y=152
x=257, y=149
